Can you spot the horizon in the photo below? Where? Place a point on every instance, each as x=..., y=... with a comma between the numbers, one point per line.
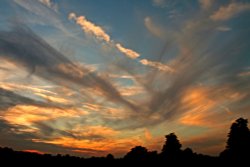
x=89, y=78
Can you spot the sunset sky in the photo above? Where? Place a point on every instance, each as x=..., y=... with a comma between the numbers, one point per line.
x=92, y=77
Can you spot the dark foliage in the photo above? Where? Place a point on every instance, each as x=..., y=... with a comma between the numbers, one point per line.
x=172, y=148
x=238, y=143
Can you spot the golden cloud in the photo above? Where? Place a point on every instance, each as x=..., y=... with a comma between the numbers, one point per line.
x=128, y=52
x=27, y=114
x=89, y=27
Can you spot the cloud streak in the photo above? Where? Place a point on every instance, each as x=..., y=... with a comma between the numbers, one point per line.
x=90, y=27
x=157, y=65
x=229, y=11
x=31, y=52
x=49, y=4
x=154, y=29
x=130, y=53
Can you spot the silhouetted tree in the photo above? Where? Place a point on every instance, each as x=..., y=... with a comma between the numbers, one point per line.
x=238, y=143
x=137, y=153
x=172, y=147
x=110, y=157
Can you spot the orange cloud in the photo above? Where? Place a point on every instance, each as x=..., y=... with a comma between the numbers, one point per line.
x=49, y=4
x=19, y=87
x=198, y=105
x=147, y=134
x=53, y=99
x=26, y=114
x=89, y=27
x=131, y=90
x=94, y=130
x=33, y=151
x=157, y=65
x=206, y=106
x=99, y=147
x=128, y=52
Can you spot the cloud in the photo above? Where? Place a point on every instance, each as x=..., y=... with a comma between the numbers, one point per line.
x=28, y=114
x=95, y=148
x=229, y=11
x=11, y=137
x=154, y=29
x=206, y=4
x=50, y=4
x=106, y=112
x=34, y=89
x=43, y=13
x=148, y=135
x=159, y=3
x=98, y=32
x=98, y=130
x=244, y=74
x=128, y=52
x=34, y=151
x=89, y=27
x=208, y=143
x=35, y=55
x=131, y=90
x=157, y=65
x=10, y=99
x=223, y=28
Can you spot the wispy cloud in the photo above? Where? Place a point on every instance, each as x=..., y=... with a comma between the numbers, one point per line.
x=99, y=148
x=207, y=143
x=29, y=114
x=159, y=3
x=46, y=66
x=157, y=65
x=90, y=27
x=98, y=32
x=154, y=29
x=229, y=11
x=206, y=4
x=223, y=28
x=128, y=52
x=50, y=4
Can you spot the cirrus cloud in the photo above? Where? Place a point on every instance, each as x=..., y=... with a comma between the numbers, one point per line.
x=229, y=11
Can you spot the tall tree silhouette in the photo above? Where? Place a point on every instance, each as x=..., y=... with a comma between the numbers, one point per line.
x=238, y=143
x=172, y=147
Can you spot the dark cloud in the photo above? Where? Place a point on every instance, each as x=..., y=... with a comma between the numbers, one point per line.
x=11, y=137
x=48, y=131
x=10, y=99
x=28, y=50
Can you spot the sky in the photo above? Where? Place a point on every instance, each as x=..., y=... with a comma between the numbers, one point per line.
x=92, y=77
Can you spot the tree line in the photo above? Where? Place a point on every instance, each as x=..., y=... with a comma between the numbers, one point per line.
x=237, y=151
